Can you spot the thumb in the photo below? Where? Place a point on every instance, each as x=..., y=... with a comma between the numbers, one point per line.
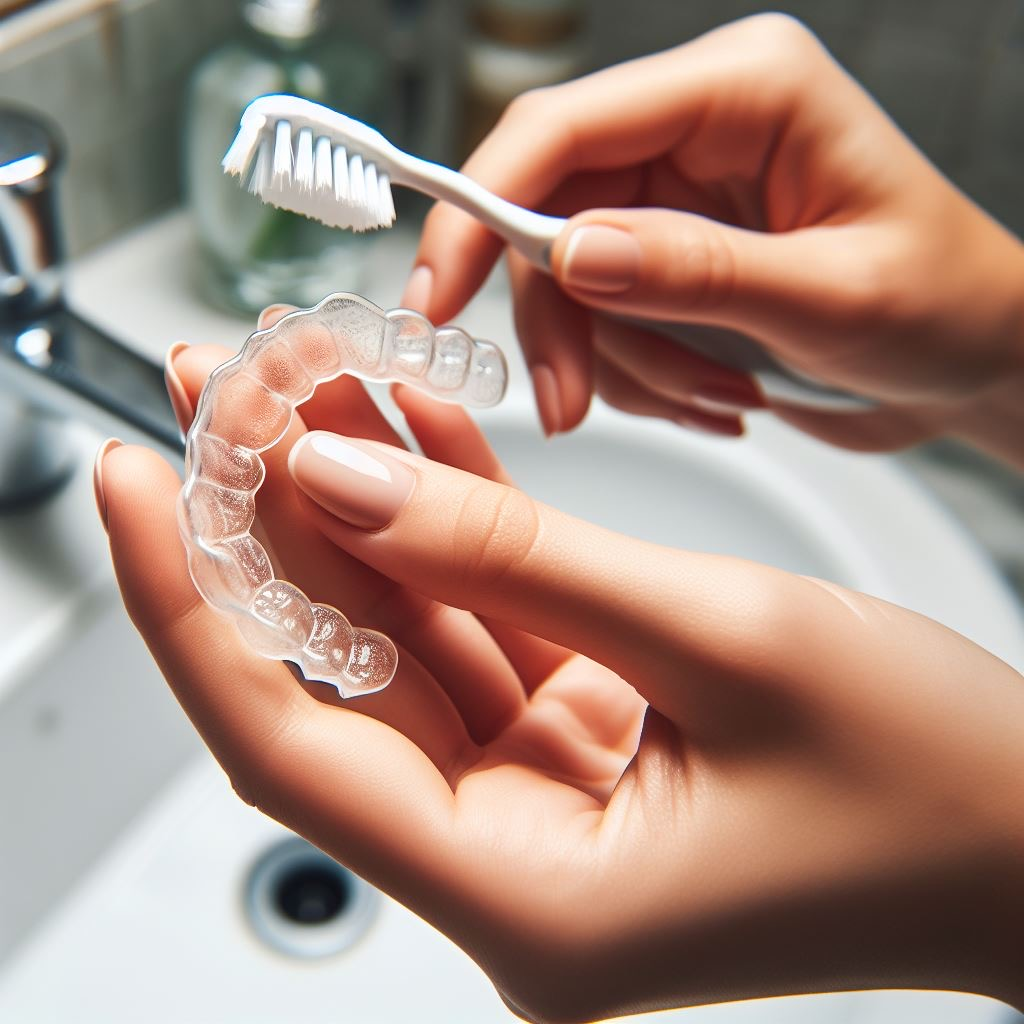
x=671, y=623
x=673, y=266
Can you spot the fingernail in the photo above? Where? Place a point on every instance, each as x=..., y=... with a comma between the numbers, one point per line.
x=97, y=477
x=352, y=480
x=710, y=424
x=549, y=404
x=417, y=288
x=272, y=314
x=601, y=259
x=176, y=390
x=722, y=399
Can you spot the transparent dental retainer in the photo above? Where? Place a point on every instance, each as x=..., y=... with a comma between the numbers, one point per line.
x=245, y=408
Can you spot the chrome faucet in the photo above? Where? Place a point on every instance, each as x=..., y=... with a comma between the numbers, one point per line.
x=54, y=365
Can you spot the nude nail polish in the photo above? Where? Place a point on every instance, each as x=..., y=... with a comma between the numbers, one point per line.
x=183, y=411
x=601, y=259
x=272, y=314
x=97, y=477
x=549, y=404
x=418, y=288
x=355, y=481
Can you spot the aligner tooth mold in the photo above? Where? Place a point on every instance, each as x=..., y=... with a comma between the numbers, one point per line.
x=245, y=408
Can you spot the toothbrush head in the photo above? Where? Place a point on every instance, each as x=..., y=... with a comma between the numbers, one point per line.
x=304, y=157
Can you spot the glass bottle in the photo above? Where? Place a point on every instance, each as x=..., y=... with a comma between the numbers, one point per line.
x=254, y=254
x=512, y=46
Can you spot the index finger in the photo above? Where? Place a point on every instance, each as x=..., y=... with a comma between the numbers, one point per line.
x=743, y=75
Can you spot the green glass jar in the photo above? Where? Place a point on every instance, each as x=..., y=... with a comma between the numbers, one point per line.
x=254, y=254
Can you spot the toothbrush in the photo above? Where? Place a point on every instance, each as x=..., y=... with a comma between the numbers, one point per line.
x=304, y=157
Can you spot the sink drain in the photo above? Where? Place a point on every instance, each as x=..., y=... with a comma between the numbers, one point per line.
x=302, y=903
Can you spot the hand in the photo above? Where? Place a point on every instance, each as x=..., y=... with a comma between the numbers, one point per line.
x=775, y=199
x=621, y=777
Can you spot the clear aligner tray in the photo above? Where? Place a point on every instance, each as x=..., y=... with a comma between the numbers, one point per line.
x=245, y=408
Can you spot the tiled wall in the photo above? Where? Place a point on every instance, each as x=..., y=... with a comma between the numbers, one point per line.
x=112, y=75
x=951, y=72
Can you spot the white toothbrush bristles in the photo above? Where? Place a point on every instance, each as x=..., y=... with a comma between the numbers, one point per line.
x=242, y=150
x=322, y=160
x=311, y=174
x=357, y=191
x=387, y=200
x=304, y=161
x=340, y=174
x=261, y=169
x=283, y=157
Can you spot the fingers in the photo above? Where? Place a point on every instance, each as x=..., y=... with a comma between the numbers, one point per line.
x=623, y=391
x=555, y=335
x=879, y=430
x=741, y=83
x=447, y=434
x=667, y=622
x=351, y=784
x=470, y=685
x=665, y=265
x=674, y=372
x=272, y=314
x=308, y=559
x=344, y=405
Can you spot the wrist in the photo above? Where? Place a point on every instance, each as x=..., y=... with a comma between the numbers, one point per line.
x=1001, y=897
x=993, y=419
x=1007, y=981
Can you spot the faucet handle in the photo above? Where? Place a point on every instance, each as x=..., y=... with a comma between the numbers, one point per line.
x=31, y=246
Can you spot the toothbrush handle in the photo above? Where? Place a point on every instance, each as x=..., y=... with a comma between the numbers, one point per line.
x=533, y=234
x=528, y=232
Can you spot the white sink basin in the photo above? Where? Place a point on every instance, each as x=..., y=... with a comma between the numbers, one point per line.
x=126, y=890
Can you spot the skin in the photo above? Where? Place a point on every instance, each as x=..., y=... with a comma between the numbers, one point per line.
x=621, y=777
x=769, y=195
x=624, y=777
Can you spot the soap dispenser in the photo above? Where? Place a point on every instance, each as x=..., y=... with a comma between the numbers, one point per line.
x=252, y=254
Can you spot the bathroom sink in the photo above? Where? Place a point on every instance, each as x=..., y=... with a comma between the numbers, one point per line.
x=126, y=862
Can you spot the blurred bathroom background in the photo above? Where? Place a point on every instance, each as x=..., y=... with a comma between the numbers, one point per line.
x=121, y=848
x=115, y=75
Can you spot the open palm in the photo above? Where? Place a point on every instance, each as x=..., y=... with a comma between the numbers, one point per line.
x=507, y=718
x=775, y=764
